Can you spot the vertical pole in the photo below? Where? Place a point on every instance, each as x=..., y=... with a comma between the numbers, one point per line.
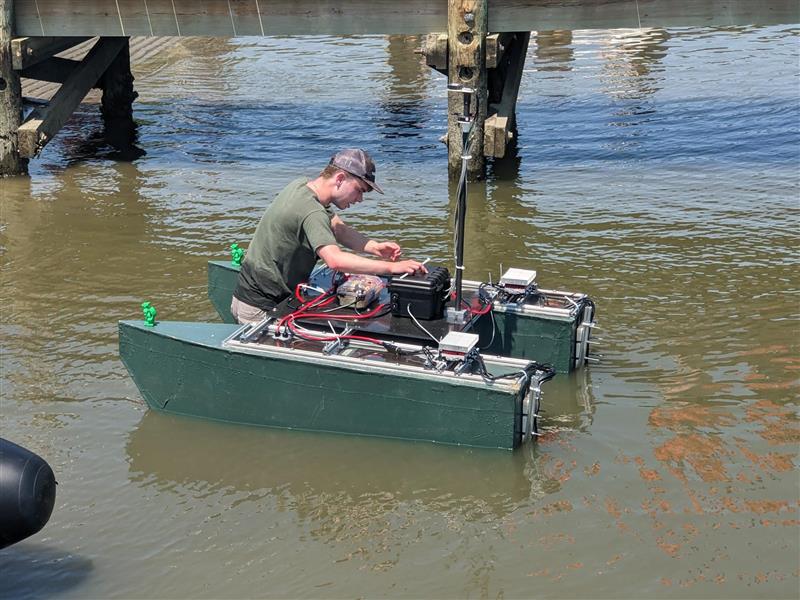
x=466, y=37
x=461, y=213
x=117, y=103
x=11, y=163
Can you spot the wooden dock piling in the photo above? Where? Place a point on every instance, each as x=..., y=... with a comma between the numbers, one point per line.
x=466, y=65
x=492, y=65
x=11, y=163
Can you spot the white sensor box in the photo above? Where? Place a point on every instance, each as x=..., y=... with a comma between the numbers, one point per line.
x=458, y=342
x=518, y=278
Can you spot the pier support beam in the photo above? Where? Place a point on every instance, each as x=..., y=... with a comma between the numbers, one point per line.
x=11, y=163
x=466, y=39
x=504, y=80
x=117, y=102
x=44, y=122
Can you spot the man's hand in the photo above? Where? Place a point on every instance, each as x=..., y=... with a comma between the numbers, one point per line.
x=384, y=250
x=353, y=263
x=407, y=266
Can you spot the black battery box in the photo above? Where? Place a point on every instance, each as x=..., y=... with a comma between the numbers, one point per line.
x=424, y=295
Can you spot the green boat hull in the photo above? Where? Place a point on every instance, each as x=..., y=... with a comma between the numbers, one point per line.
x=546, y=339
x=222, y=277
x=183, y=368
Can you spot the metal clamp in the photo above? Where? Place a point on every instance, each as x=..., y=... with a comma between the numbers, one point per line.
x=338, y=345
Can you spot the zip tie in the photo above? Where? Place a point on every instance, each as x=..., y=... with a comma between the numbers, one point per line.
x=311, y=287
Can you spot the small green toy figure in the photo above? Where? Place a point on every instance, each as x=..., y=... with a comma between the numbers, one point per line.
x=237, y=254
x=150, y=313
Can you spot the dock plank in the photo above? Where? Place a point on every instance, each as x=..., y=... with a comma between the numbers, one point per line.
x=226, y=18
x=142, y=49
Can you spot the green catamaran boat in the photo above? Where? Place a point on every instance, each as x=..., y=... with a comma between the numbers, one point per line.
x=313, y=367
x=251, y=376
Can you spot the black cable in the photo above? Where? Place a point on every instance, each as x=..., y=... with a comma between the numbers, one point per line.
x=530, y=370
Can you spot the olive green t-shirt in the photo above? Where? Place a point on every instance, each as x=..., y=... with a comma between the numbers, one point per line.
x=282, y=252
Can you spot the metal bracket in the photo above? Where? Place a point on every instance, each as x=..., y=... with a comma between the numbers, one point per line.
x=255, y=330
x=338, y=345
x=456, y=316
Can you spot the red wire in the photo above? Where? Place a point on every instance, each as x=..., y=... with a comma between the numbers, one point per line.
x=367, y=315
x=331, y=338
x=482, y=311
x=318, y=302
x=290, y=323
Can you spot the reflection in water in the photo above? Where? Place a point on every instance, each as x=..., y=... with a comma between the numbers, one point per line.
x=79, y=298
x=403, y=100
x=631, y=62
x=90, y=140
x=491, y=235
x=407, y=69
x=325, y=480
x=570, y=403
x=554, y=50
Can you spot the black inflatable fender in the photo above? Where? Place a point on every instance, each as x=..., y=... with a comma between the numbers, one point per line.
x=27, y=493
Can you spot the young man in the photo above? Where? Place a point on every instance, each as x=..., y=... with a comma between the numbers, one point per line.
x=300, y=225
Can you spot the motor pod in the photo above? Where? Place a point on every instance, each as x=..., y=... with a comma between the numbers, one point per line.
x=27, y=493
x=422, y=296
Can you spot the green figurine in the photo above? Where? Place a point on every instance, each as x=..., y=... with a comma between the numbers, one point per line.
x=237, y=254
x=150, y=313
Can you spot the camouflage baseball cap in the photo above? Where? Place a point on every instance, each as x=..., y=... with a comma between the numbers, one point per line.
x=358, y=163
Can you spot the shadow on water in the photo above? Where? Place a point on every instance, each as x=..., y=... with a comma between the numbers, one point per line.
x=88, y=140
x=32, y=570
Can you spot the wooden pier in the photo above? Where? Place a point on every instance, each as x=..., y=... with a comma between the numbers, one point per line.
x=480, y=44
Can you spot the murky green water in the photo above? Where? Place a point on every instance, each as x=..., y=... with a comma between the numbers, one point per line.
x=657, y=171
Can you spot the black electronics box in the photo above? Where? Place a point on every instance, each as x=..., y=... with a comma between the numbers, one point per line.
x=425, y=295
